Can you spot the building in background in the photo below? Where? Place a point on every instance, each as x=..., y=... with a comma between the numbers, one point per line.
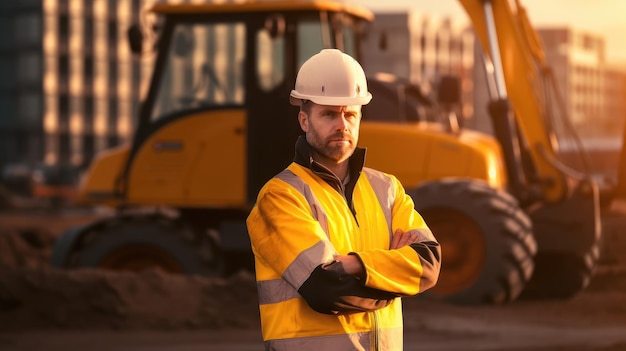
x=69, y=84
x=593, y=92
x=594, y=95
x=423, y=48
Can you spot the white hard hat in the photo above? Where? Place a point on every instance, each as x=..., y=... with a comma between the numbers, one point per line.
x=331, y=78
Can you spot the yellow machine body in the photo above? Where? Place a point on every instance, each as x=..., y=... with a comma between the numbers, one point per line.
x=422, y=151
x=195, y=161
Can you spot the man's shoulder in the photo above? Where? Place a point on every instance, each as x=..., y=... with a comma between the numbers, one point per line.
x=380, y=178
x=371, y=172
x=291, y=175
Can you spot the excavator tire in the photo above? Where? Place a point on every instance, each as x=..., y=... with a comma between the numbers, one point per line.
x=136, y=243
x=487, y=243
x=560, y=276
x=569, y=237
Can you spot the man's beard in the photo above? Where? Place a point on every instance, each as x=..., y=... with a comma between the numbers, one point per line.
x=325, y=148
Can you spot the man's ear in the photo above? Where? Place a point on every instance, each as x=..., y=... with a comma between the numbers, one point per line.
x=303, y=118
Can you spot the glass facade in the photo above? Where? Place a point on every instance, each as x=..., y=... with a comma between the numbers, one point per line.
x=593, y=92
x=21, y=66
x=70, y=86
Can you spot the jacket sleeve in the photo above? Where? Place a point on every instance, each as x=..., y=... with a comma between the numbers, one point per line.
x=291, y=245
x=285, y=237
x=411, y=269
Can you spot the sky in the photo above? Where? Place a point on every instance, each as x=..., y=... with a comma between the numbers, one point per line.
x=603, y=17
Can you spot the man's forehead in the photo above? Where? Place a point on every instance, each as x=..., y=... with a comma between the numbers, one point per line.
x=339, y=108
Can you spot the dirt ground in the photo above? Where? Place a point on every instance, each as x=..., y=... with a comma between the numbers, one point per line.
x=42, y=308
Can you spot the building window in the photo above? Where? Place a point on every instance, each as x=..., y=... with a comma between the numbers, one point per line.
x=65, y=148
x=30, y=109
x=64, y=66
x=112, y=30
x=113, y=75
x=7, y=106
x=64, y=112
x=28, y=29
x=113, y=116
x=88, y=70
x=88, y=34
x=88, y=113
x=89, y=149
x=76, y=105
x=64, y=26
x=8, y=74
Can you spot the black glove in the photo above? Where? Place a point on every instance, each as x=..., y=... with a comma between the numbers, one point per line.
x=330, y=290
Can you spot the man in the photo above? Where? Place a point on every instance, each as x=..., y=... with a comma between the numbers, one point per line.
x=336, y=244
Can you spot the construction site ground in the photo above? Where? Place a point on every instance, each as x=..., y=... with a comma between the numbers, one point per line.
x=44, y=308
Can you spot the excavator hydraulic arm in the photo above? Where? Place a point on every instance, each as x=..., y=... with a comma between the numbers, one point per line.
x=566, y=224
x=518, y=61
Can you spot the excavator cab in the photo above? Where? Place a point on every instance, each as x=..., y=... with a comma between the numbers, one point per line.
x=213, y=127
x=215, y=107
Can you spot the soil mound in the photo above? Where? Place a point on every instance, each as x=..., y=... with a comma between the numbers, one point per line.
x=34, y=295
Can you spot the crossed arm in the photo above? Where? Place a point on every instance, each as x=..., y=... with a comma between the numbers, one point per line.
x=352, y=264
x=342, y=284
x=339, y=287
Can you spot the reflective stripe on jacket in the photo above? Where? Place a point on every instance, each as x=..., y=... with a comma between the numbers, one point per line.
x=299, y=224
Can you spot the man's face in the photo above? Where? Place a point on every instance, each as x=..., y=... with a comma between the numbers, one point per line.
x=332, y=131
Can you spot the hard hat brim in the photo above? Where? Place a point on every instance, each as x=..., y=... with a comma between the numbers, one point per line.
x=296, y=99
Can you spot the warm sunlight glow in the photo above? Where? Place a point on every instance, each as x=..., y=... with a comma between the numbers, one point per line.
x=99, y=8
x=50, y=121
x=76, y=123
x=49, y=5
x=50, y=81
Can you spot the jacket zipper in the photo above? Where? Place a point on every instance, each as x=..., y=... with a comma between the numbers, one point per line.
x=336, y=184
x=375, y=337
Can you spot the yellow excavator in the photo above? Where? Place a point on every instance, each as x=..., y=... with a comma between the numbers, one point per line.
x=216, y=124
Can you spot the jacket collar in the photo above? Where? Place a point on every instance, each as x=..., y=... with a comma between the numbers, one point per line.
x=356, y=162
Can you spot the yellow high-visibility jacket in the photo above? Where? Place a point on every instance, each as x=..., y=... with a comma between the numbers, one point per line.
x=303, y=218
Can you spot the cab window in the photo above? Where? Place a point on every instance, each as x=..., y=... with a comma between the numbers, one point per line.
x=204, y=67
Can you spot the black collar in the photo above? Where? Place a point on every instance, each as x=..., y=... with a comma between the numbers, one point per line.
x=356, y=162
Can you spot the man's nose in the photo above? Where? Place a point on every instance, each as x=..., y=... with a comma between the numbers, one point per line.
x=342, y=122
